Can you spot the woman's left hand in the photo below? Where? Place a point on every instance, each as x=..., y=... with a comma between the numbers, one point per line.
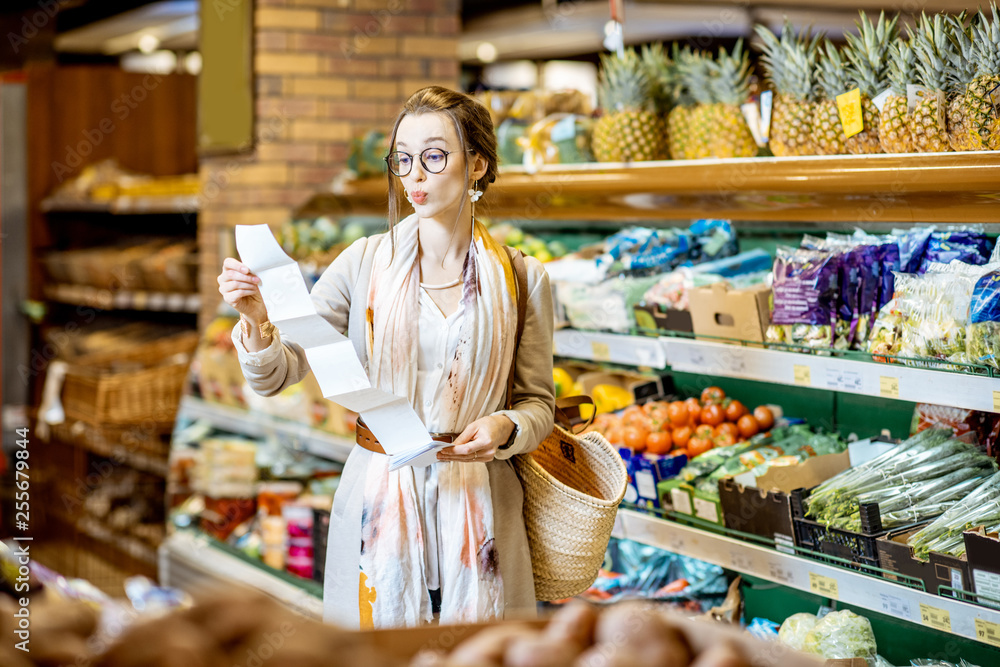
x=479, y=441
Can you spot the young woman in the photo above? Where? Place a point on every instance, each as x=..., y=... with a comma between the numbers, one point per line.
x=431, y=309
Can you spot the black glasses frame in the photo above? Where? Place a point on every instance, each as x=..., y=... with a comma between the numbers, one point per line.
x=388, y=161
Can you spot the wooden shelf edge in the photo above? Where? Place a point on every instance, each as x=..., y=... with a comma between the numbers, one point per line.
x=941, y=187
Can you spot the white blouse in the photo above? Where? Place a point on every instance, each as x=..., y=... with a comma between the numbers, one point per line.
x=438, y=343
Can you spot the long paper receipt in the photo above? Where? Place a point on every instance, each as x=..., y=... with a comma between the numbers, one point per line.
x=331, y=355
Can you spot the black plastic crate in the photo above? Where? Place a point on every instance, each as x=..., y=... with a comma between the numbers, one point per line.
x=860, y=549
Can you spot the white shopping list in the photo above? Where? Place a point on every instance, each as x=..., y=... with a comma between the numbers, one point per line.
x=331, y=355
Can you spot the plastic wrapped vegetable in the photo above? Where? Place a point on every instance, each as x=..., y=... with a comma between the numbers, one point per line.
x=912, y=243
x=794, y=630
x=884, y=336
x=983, y=340
x=841, y=634
x=805, y=297
x=935, y=308
x=967, y=244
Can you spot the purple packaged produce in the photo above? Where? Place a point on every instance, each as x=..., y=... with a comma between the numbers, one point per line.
x=805, y=297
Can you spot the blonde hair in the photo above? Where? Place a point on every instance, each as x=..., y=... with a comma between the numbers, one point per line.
x=473, y=126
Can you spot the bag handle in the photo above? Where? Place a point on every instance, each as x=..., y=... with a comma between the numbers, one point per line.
x=567, y=412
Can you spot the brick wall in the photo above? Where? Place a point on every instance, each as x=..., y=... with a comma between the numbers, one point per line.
x=325, y=72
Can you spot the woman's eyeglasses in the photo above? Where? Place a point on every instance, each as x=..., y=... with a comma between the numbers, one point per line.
x=434, y=160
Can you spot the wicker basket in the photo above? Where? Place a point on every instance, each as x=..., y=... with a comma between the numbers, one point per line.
x=133, y=385
x=572, y=488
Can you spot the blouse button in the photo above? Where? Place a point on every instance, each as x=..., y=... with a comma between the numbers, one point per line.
x=440, y=365
x=427, y=404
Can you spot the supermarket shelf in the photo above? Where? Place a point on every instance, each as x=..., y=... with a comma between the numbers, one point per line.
x=122, y=448
x=944, y=187
x=294, y=434
x=942, y=613
x=608, y=347
x=191, y=563
x=124, y=205
x=127, y=544
x=960, y=390
x=93, y=297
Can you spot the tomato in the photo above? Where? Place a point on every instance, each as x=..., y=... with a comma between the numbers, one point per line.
x=727, y=428
x=713, y=394
x=661, y=414
x=703, y=431
x=615, y=435
x=764, y=416
x=724, y=440
x=659, y=443
x=735, y=410
x=713, y=415
x=678, y=413
x=681, y=435
x=635, y=438
x=633, y=414
x=748, y=426
x=698, y=446
x=694, y=408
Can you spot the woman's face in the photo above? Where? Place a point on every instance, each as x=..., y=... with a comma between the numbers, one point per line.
x=437, y=196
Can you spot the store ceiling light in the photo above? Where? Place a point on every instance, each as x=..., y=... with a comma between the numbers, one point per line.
x=148, y=43
x=486, y=52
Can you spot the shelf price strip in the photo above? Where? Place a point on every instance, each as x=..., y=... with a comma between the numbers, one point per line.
x=988, y=632
x=932, y=617
x=895, y=606
x=824, y=586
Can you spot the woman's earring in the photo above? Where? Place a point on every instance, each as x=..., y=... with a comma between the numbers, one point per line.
x=475, y=194
x=407, y=195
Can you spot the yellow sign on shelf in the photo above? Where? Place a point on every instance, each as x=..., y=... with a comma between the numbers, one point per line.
x=802, y=374
x=824, y=586
x=888, y=387
x=932, y=617
x=849, y=106
x=988, y=632
x=601, y=351
x=996, y=401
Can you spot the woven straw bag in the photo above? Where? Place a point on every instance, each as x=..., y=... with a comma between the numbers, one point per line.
x=572, y=488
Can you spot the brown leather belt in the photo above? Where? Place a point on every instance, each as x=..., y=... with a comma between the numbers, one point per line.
x=367, y=439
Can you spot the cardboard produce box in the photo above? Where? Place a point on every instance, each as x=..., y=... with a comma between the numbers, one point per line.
x=983, y=552
x=720, y=312
x=941, y=570
x=761, y=505
x=650, y=316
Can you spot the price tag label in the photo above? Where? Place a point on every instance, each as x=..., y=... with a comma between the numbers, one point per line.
x=843, y=380
x=996, y=401
x=740, y=561
x=935, y=618
x=780, y=573
x=988, y=632
x=888, y=387
x=849, y=106
x=895, y=606
x=824, y=586
x=802, y=374
x=601, y=351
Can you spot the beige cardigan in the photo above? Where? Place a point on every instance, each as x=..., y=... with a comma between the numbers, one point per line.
x=340, y=297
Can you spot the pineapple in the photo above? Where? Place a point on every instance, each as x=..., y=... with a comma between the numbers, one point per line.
x=730, y=85
x=663, y=71
x=868, y=56
x=696, y=72
x=932, y=49
x=631, y=129
x=982, y=113
x=790, y=63
x=831, y=76
x=893, y=120
x=961, y=74
x=679, y=117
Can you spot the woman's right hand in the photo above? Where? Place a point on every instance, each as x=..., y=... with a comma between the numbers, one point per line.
x=239, y=288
